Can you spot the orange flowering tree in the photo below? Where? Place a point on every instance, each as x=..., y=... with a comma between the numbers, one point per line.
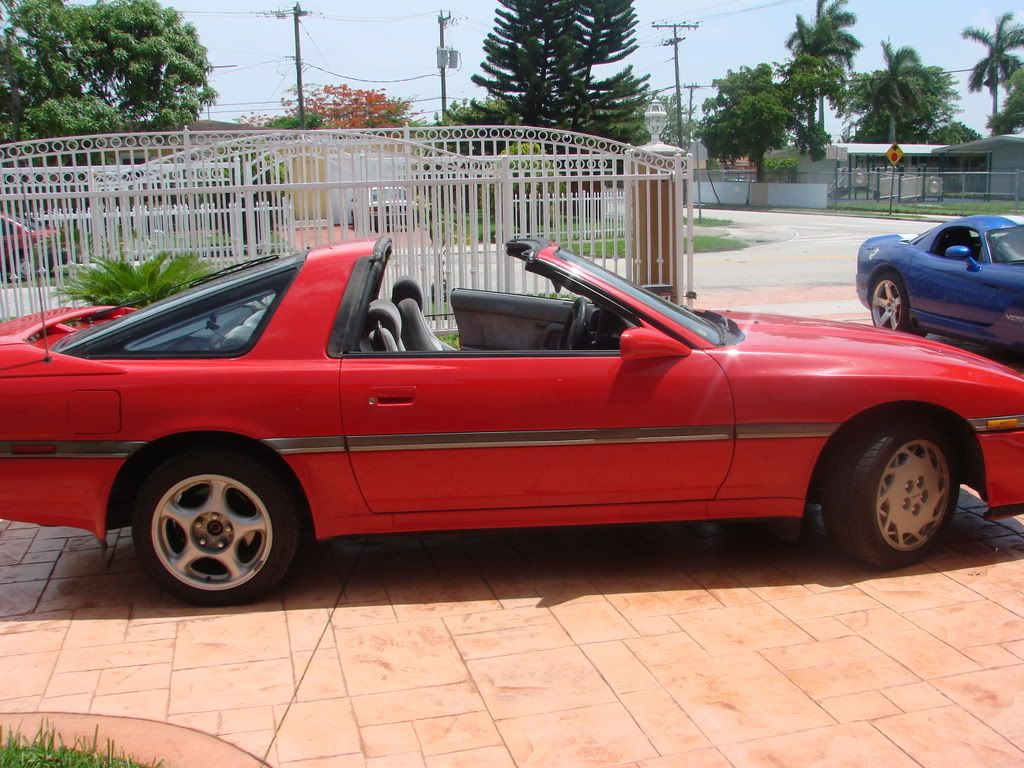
x=339, y=106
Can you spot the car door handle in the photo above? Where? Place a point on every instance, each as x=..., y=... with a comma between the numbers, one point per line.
x=392, y=396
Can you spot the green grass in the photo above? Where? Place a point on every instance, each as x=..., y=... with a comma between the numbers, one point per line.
x=451, y=339
x=46, y=750
x=942, y=209
x=708, y=221
x=714, y=243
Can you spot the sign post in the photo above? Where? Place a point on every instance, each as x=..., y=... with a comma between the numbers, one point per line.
x=839, y=154
x=893, y=154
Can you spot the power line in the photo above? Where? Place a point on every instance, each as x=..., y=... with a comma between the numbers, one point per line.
x=375, y=19
x=364, y=80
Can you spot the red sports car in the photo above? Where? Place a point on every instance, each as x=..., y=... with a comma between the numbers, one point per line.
x=290, y=394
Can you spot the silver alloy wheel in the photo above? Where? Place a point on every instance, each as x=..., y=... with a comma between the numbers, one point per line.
x=212, y=532
x=912, y=495
x=886, y=305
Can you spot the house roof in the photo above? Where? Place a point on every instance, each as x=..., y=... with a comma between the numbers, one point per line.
x=856, y=148
x=982, y=145
x=221, y=125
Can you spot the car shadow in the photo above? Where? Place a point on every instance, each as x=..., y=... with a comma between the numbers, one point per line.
x=644, y=570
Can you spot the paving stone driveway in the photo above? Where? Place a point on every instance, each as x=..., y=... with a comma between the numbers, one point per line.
x=653, y=645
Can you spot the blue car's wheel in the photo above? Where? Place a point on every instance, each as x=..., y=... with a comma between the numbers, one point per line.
x=890, y=303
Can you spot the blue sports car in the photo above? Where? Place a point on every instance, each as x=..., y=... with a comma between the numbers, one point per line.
x=963, y=278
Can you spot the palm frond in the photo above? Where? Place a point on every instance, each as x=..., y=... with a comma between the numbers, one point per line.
x=114, y=282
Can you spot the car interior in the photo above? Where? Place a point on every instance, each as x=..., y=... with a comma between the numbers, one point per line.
x=958, y=236
x=491, y=321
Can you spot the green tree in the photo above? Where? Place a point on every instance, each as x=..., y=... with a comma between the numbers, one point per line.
x=749, y=117
x=1011, y=119
x=922, y=100
x=952, y=133
x=609, y=106
x=829, y=40
x=895, y=91
x=288, y=122
x=999, y=63
x=473, y=112
x=806, y=80
x=117, y=65
x=545, y=64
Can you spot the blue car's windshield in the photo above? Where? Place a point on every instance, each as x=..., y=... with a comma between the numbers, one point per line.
x=1007, y=245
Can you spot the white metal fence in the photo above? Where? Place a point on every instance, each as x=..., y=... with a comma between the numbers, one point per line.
x=449, y=197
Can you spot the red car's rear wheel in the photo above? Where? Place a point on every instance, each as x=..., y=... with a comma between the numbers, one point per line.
x=215, y=528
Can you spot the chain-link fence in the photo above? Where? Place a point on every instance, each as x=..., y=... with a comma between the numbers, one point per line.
x=957, y=193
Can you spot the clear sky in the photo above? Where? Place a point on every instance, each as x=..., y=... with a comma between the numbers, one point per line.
x=396, y=40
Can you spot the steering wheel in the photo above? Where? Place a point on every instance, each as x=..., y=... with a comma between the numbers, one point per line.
x=577, y=326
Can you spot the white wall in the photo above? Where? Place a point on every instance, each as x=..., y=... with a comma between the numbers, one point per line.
x=789, y=195
x=728, y=193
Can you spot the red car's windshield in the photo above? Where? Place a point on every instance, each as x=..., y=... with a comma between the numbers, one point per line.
x=704, y=328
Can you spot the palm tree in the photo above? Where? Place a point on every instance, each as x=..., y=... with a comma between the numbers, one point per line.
x=899, y=87
x=999, y=64
x=827, y=38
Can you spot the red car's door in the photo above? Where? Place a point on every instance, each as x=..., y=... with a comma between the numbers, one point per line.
x=475, y=431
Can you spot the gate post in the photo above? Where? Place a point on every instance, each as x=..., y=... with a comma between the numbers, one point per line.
x=683, y=228
x=628, y=211
x=249, y=202
x=505, y=222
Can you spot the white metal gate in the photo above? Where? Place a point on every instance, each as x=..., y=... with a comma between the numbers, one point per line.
x=449, y=197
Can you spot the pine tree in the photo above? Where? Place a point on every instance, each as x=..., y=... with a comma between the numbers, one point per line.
x=525, y=57
x=611, y=106
x=541, y=61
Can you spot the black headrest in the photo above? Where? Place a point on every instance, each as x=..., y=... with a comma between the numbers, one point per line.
x=407, y=288
x=386, y=314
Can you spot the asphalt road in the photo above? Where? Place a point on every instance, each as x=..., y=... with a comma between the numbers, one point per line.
x=797, y=263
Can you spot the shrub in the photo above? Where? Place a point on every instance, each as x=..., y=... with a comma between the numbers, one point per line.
x=116, y=282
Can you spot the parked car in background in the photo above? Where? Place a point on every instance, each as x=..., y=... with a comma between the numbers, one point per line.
x=297, y=394
x=963, y=278
x=26, y=247
x=387, y=210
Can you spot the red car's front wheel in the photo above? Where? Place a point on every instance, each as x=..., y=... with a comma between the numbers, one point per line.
x=890, y=491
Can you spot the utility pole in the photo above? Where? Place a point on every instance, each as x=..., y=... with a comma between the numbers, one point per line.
x=442, y=64
x=689, y=115
x=674, y=41
x=297, y=13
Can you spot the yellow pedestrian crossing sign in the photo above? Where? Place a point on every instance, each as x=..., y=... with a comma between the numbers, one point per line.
x=894, y=154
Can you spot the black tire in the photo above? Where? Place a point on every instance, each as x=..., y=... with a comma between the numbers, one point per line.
x=898, y=288
x=254, y=494
x=856, y=510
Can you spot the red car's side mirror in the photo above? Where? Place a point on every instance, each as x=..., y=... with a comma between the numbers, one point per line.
x=649, y=344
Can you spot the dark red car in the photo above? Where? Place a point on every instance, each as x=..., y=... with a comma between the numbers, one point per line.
x=298, y=394
x=25, y=246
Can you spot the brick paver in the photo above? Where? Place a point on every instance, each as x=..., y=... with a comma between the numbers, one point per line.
x=646, y=645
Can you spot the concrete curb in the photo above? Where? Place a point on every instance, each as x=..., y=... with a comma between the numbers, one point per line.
x=146, y=741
